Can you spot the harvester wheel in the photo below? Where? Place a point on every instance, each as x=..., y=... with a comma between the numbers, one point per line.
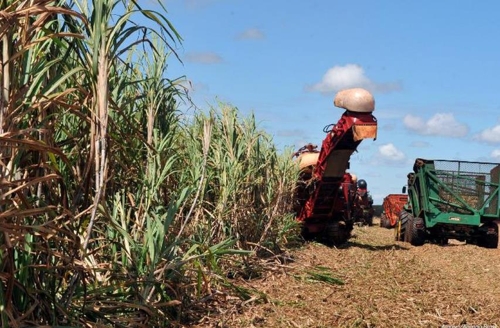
x=417, y=235
x=337, y=233
x=369, y=220
x=308, y=236
x=490, y=238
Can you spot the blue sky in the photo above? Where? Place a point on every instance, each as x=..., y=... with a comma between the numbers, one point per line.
x=432, y=66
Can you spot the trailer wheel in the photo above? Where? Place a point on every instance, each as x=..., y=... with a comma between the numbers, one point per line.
x=490, y=238
x=417, y=234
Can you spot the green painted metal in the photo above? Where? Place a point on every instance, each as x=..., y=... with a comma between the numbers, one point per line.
x=454, y=192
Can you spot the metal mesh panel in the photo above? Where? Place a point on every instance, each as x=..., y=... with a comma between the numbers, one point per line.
x=472, y=182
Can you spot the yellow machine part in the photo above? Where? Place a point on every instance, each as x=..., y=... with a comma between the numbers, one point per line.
x=397, y=231
x=361, y=132
x=308, y=160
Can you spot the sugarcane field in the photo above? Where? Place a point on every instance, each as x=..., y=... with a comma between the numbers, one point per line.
x=194, y=163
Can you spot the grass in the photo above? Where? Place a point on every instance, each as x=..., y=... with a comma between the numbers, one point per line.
x=320, y=274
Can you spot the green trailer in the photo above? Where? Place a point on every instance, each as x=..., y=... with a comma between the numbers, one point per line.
x=450, y=199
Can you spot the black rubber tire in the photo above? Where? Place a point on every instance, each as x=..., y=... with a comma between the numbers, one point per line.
x=408, y=228
x=443, y=241
x=369, y=221
x=304, y=232
x=403, y=217
x=489, y=240
x=337, y=233
x=417, y=235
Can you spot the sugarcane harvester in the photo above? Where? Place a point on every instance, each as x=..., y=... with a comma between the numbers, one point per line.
x=325, y=192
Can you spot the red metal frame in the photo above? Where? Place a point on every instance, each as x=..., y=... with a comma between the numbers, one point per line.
x=334, y=188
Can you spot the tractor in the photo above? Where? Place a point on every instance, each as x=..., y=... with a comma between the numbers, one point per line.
x=392, y=206
x=325, y=190
x=451, y=199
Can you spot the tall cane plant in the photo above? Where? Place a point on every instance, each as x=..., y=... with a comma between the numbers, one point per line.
x=62, y=87
x=114, y=210
x=245, y=194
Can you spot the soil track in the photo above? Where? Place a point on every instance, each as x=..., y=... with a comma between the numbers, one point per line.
x=385, y=284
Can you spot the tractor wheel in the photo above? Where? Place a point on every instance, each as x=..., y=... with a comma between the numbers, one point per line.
x=403, y=226
x=417, y=235
x=490, y=238
x=408, y=228
x=337, y=233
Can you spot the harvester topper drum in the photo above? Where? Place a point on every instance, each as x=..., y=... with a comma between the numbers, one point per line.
x=323, y=199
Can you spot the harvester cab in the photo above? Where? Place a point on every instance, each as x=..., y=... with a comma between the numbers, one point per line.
x=324, y=197
x=451, y=200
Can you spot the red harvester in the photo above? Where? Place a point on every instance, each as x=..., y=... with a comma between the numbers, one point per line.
x=325, y=191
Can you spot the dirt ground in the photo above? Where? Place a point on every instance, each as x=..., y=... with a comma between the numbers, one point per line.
x=373, y=281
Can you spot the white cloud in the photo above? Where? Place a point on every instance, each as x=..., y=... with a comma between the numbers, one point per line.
x=203, y=58
x=491, y=135
x=350, y=76
x=495, y=154
x=389, y=152
x=441, y=124
x=251, y=34
x=414, y=122
x=340, y=77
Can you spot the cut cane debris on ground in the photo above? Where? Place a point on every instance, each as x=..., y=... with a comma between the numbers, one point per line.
x=372, y=281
